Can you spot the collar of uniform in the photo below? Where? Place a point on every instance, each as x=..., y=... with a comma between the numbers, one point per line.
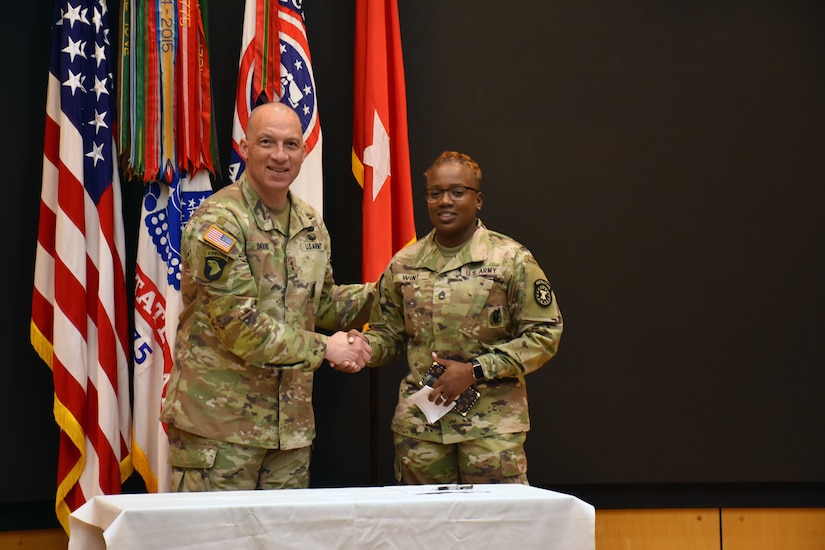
x=301, y=216
x=475, y=250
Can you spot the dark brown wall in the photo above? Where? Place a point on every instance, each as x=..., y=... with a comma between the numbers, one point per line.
x=663, y=161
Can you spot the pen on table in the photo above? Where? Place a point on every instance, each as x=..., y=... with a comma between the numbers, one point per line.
x=455, y=487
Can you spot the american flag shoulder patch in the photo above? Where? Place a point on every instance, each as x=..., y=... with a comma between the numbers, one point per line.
x=219, y=238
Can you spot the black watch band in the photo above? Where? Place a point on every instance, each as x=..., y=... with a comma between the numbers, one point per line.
x=478, y=370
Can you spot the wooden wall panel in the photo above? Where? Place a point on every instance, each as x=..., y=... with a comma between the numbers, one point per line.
x=769, y=529
x=687, y=529
x=41, y=539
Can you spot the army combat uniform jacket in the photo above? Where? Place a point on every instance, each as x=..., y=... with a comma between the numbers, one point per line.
x=246, y=346
x=491, y=302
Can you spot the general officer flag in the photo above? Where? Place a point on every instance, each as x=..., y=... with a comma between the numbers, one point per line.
x=380, y=144
x=79, y=321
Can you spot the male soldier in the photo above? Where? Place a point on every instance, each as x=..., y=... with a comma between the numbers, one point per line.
x=256, y=281
x=477, y=303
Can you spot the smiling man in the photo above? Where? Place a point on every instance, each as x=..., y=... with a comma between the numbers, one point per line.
x=256, y=282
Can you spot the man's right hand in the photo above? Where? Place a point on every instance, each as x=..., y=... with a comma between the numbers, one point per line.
x=348, y=351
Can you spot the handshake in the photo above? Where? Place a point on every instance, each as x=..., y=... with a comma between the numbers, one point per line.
x=348, y=351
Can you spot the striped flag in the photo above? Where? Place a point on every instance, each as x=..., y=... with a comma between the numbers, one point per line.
x=380, y=145
x=79, y=309
x=165, y=99
x=275, y=65
x=181, y=152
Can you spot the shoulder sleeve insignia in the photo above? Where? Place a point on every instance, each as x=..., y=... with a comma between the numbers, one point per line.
x=543, y=293
x=219, y=238
x=213, y=267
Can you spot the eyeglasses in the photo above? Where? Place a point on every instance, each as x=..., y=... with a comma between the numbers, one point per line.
x=456, y=193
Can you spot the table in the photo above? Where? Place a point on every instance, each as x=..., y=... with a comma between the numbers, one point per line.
x=516, y=517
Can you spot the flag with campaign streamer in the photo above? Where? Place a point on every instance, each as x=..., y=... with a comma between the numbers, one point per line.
x=79, y=324
x=380, y=142
x=165, y=95
x=275, y=65
x=165, y=100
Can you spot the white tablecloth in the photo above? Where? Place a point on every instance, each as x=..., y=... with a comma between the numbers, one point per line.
x=514, y=517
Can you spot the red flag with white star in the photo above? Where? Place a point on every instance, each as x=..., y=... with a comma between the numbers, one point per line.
x=380, y=143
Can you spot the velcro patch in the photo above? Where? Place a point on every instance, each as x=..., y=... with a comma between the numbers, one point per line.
x=495, y=317
x=483, y=271
x=543, y=293
x=219, y=238
x=410, y=277
x=213, y=267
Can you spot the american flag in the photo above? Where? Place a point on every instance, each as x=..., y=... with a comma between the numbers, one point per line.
x=284, y=75
x=220, y=239
x=79, y=307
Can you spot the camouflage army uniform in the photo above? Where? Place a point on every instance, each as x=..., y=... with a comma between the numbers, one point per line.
x=491, y=302
x=252, y=296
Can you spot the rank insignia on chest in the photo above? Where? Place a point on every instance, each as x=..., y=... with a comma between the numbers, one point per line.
x=495, y=317
x=543, y=293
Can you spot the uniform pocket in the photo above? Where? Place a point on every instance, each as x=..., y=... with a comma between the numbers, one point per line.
x=189, y=466
x=200, y=456
x=513, y=463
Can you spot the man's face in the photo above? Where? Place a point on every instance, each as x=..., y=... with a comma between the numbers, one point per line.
x=454, y=219
x=274, y=150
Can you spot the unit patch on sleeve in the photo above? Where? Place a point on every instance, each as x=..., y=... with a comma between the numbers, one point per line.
x=543, y=293
x=219, y=238
x=213, y=266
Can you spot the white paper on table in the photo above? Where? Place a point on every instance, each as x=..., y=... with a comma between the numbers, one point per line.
x=431, y=410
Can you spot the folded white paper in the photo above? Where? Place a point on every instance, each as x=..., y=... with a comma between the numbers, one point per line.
x=431, y=410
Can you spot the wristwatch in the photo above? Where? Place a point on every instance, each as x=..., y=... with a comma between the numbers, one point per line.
x=478, y=370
